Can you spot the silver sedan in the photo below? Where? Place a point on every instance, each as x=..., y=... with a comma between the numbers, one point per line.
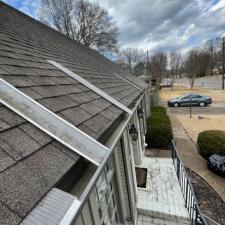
x=190, y=99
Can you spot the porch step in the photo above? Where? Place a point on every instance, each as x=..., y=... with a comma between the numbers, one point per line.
x=148, y=220
x=147, y=215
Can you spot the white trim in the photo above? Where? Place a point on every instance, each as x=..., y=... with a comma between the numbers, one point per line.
x=90, y=86
x=72, y=210
x=52, y=124
x=122, y=78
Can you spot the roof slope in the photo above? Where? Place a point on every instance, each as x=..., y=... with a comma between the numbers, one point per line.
x=31, y=162
x=25, y=45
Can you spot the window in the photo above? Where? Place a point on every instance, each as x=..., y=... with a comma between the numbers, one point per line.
x=196, y=96
x=186, y=97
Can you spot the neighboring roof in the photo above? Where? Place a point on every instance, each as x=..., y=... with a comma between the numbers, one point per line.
x=144, y=78
x=31, y=162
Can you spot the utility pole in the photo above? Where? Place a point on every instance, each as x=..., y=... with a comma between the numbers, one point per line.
x=223, y=58
x=147, y=57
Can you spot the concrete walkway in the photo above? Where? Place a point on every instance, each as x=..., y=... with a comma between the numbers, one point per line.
x=191, y=158
x=161, y=202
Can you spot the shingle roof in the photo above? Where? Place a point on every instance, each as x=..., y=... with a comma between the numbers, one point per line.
x=31, y=162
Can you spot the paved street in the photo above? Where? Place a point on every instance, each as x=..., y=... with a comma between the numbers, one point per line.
x=217, y=108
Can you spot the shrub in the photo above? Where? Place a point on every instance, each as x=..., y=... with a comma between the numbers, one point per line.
x=159, y=129
x=211, y=142
x=158, y=109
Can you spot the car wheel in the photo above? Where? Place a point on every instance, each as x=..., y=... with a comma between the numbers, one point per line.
x=202, y=104
x=175, y=104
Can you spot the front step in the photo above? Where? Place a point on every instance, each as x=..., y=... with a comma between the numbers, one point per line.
x=157, y=215
x=148, y=220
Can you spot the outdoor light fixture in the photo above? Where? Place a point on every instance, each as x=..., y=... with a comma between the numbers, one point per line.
x=140, y=113
x=133, y=133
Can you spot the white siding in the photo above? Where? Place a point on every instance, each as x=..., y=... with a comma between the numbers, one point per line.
x=122, y=181
x=86, y=214
x=79, y=221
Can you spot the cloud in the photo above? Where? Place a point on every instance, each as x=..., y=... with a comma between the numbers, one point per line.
x=157, y=25
x=164, y=25
x=29, y=7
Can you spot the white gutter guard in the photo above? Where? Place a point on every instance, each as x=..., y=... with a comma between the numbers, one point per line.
x=122, y=78
x=52, y=208
x=52, y=124
x=90, y=86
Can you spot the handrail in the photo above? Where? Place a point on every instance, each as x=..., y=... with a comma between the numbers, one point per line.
x=211, y=220
x=187, y=189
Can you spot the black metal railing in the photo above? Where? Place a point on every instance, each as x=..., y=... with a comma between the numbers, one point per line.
x=191, y=203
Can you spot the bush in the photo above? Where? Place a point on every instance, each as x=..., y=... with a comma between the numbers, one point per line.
x=211, y=142
x=159, y=129
x=158, y=110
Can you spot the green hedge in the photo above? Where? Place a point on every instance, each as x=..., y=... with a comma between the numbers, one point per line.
x=159, y=129
x=211, y=142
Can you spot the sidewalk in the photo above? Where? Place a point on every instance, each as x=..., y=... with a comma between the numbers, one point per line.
x=191, y=158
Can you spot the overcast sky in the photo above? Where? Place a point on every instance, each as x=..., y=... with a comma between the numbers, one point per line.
x=157, y=25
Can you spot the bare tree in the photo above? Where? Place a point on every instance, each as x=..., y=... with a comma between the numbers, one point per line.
x=139, y=69
x=157, y=67
x=131, y=56
x=81, y=20
x=196, y=64
x=210, y=47
x=175, y=66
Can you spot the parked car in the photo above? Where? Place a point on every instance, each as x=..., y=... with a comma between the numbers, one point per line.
x=217, y=163
x=190, y=99
x=165, y=84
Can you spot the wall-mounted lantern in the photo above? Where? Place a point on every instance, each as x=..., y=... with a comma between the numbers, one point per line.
x=133, y=133
x=140, y=113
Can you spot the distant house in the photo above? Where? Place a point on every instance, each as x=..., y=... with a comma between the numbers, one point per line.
x=67, y=119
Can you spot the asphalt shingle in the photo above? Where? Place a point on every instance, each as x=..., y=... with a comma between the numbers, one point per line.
x=7, y=216
x=5, y=160
x=59, y=103
x=9, y=117
x=17, y=143
x=25, y=183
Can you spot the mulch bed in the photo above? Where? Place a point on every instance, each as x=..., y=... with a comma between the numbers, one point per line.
x=209, y=201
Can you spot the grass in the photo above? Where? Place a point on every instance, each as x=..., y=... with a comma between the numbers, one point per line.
x=168, y=93
x=194, y=125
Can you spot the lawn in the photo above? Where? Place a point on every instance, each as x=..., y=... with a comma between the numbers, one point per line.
x=167, y=93
x=193, y=126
